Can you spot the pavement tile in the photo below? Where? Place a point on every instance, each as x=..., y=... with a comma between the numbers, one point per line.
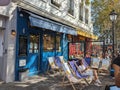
x=53, y=82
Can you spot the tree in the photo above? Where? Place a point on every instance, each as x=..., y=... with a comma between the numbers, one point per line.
x=100, y=14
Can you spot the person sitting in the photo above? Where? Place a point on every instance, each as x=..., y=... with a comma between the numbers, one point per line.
x=87, y=71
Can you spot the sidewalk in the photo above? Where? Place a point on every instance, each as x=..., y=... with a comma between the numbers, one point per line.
x=51, y=82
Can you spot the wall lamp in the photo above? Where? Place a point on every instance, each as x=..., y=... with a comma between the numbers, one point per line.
x=13, y=32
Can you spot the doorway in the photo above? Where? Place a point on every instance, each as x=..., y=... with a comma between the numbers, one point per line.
x=33, y=61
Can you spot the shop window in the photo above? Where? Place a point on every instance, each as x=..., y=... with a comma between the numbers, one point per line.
x=48, y=42
x=58, y=46
x=22, y=45
x=34, y=44
x=76, y=49
x=71, y=7
x=82, y=46
x=69, y=38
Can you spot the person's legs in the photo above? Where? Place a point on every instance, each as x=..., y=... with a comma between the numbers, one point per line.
x=96, y=77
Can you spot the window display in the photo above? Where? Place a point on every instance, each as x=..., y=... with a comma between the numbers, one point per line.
x=76, y=49
x=48, y=42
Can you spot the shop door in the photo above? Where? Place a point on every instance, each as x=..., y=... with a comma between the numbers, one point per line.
x=34, y=54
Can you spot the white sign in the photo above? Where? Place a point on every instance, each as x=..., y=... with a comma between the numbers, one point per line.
x=22, y=62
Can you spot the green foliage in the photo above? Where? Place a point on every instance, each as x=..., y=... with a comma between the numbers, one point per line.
x=87, y=2
x=100, y=14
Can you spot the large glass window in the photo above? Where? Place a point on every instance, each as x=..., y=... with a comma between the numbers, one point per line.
x=71, y=7
x=48, y=42
x=76, y=49
x=34, y=44
x=22, y=45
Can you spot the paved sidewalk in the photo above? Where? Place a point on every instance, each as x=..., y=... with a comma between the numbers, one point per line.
x=52, y=82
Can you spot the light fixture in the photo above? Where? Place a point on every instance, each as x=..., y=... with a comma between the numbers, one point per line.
x=13, y=32
x=113, y=17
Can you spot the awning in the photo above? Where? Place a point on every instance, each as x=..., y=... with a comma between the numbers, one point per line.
x=86, y=34
x=41, y=22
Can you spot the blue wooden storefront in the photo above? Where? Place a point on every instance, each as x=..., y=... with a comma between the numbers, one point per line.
x=35, y=62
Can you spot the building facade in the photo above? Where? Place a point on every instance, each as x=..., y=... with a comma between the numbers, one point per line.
x=38, y=29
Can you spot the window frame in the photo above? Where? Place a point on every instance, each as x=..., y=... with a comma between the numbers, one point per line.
x=23, y=49
x=71, y=7
x=81, y=11
x=33, y=49
x=50, y=46
x=55, y=3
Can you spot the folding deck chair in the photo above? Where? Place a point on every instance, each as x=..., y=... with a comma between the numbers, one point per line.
x=61, y=58
x=72, y=80
x=95, y=62
x=52, y=66
x=105, y=66
x=58, y=62
x=77, y=73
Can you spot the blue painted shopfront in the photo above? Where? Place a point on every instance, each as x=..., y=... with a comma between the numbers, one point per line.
x=31, y=34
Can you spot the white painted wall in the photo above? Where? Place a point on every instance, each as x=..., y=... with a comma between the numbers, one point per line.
x=45, y=6
x=1, y=43
x=8, y=70
x=1, y=51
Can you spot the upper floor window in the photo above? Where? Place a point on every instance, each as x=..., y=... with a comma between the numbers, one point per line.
x=86, y=16
x=56, y=2
x=71, y=7
x=81, y=12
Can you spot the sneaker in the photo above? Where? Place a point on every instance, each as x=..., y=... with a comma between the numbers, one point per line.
x=98, y=81
x=97, y=84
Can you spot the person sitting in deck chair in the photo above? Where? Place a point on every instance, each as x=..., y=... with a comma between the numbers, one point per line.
x=87, y=71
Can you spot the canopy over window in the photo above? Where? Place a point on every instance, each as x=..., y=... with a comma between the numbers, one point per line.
x=41, y=22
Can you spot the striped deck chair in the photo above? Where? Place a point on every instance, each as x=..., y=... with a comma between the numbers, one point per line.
x=88, y=60
x=52, y=66
x=84, y=62
x=77, y=73
x=68, y=74
x=59, y=64
x=61, y=59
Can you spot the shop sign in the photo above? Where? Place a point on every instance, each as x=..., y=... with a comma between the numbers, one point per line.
x=22, y=62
